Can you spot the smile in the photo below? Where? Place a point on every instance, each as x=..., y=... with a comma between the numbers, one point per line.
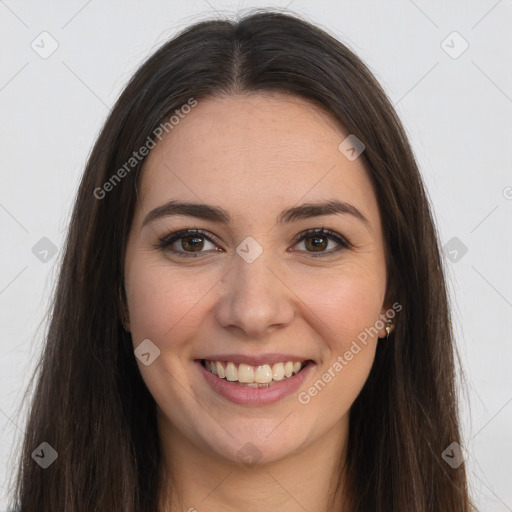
x=263, y=375
x=254, y=385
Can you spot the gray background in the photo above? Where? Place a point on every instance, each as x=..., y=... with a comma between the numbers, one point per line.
x=456, y=107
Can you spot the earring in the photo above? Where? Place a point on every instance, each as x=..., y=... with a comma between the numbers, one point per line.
x=389, y=328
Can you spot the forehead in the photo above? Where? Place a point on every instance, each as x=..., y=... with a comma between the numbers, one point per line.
x=255, y=152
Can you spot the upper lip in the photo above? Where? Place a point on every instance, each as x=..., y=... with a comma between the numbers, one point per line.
x=257, y=360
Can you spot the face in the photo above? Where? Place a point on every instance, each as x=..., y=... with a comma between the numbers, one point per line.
x=253, y=291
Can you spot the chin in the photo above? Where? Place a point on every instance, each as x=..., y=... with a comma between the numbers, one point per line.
x=267, y=445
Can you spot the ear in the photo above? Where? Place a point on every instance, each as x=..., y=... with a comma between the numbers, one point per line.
x=389, y=311
x=384, y=320
x=388, y=318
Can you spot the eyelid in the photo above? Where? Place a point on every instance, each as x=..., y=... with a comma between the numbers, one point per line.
x=167, y=240
x=328, y=233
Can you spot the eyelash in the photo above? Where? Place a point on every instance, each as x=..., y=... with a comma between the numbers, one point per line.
x=165, y=242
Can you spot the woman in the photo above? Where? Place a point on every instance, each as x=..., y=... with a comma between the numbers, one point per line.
x=251, y=312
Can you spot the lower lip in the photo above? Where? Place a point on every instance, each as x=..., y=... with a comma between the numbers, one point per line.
x=255, y=396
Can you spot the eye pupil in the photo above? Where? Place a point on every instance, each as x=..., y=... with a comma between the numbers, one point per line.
x=319, y=241
x=196, y=244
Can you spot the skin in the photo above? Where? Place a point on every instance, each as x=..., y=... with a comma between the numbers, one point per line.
x=254, y=155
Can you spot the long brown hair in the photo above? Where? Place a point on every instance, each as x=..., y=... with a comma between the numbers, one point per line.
x=90, y=403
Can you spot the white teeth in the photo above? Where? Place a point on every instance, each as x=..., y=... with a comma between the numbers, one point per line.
x=263, y=375
x=278, y=371
x=220, y=370
x=231, y=372
x=245, y=373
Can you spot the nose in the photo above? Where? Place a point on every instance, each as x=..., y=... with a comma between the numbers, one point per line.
x=255, y=298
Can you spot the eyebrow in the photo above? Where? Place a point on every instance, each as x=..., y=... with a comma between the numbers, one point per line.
x=222, y=216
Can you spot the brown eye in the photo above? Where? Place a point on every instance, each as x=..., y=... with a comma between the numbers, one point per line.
x=317, y=241
x=192, y=242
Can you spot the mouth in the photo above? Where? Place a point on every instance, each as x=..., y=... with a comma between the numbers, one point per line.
x=260, y=376
x=259, y=384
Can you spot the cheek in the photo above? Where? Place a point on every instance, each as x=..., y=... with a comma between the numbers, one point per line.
x=346, y=303
x=345, y=310
x=340, y=304
x=161, y=300
x=165, y=307
x=345, y=314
